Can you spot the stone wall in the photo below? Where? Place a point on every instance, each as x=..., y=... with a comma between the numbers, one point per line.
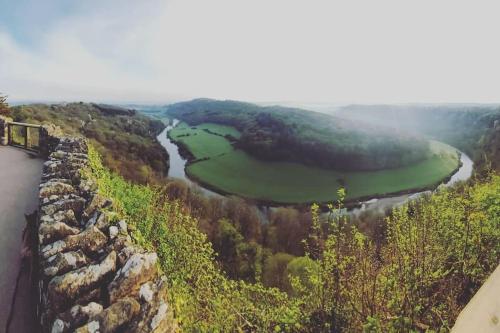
x=92, y=277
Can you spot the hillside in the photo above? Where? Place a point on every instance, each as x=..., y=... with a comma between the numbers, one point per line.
x=287, y=134
x=420, y=271
x=470, y=128
x=125, y=139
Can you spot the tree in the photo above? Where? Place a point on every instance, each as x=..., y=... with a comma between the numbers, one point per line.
x=4, y=106
x=274, y=274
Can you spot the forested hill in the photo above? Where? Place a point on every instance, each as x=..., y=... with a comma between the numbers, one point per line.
x=291, y=134
x=473, y=128
x=125, y=139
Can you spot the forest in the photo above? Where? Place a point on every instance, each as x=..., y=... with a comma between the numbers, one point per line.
x=288, y=134
x=125, y=138
x=469, y=127
x=412, y=271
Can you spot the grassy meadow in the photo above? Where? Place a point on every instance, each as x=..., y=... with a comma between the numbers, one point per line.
x=220, y=166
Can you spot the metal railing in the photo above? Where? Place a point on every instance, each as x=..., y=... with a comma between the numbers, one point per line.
x=24, y=135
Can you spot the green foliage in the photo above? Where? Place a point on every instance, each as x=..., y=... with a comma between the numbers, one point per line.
x=438, y=252
x=288, y=134
x=204, y=299
x=125, y=139
x=275, y=270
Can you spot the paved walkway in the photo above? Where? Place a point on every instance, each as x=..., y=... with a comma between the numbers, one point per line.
x=19, y=180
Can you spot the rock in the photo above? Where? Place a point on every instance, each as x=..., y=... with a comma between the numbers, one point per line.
x=64, y=262
x=156, y=316
x=138, y=269
x=66, y=216
x=93, y=295
x=55, y=188
x=75, y=317
x=74, y=203
x=93, y=219
x=102, y=220
x=49, y=232
x=123, y=225
x=72, y=145
x=96, y=203
x=89, y=241
x=63, y=169
x=113, y=232
x=127, y=251
x=114, y=318
x=56, y=180
x=106, y=219
x=64, y=289
x=64, y=155
x=87, y=187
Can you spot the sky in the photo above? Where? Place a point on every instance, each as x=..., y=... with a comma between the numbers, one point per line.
x=315, y=51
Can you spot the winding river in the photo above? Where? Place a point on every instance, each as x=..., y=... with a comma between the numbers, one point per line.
x=177, y=167
x=178, y=170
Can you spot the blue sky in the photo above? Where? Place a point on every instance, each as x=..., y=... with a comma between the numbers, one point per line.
x=330, y=51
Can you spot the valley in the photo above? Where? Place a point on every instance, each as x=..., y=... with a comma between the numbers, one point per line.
x=219, y=161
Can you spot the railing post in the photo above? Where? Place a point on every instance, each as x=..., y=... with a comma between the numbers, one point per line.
x=4, y=124
x=9, y=135
x=26, y=134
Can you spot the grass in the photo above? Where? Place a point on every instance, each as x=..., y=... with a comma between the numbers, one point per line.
x=202, y=142
x=233, y=171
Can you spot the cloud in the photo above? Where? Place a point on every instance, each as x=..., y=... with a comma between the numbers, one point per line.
x=296, y=50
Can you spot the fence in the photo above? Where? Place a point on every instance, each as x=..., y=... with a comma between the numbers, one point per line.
x=23, y=135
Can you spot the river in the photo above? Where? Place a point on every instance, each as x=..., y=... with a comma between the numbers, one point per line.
x=178, y=170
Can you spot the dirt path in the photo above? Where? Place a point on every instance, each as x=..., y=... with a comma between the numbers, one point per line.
x=19, y=180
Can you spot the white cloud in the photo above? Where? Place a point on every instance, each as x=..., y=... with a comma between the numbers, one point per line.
x=299, y=50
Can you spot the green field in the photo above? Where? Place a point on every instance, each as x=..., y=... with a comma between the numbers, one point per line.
x=234, y=171
x=202, y=142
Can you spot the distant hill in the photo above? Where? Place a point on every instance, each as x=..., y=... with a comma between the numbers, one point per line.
x=125, y=139
x=312, y=138
x=469, y=127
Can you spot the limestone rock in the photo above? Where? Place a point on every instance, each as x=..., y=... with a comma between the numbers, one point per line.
x=126, y=251
x=64, y=155
x=64, y=289
x=89, y=241
x=138, y=269
x=114, y=318
x=64, y=262
x=87, y=187
x=105, y=220
x=102, y=220
x=66, y=216
x=74, y=203
x=113, y=232
x=97, y=202
x=156, y=316
x=75, y=317
x=49, y=232
x=55, y=188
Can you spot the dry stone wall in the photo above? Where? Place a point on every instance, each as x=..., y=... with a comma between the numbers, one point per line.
x=92, y=277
